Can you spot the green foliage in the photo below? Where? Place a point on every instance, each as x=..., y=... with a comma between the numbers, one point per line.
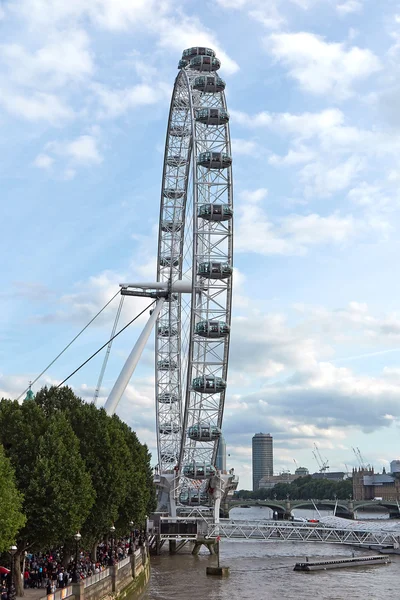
x=77, y=467
x=303, y=488
x=11, y=517
x=60, y=491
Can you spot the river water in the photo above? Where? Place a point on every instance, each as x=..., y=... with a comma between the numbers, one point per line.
x=264, y=570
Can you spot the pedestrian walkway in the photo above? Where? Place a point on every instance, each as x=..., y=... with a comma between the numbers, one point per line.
x=34, y=593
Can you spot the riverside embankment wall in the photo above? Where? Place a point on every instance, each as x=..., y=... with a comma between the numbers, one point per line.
x=128, y=577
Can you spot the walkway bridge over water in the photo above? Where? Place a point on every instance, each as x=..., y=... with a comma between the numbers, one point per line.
x=341, y=508
x=332, y=530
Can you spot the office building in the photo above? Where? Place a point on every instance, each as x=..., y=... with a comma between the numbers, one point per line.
x=395, y=466
x=220, y=462
x=263, y=458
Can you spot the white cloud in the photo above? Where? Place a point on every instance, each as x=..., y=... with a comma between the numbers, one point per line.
x=43, y=161
x=84, y=150
x=65, y=57
x=243, y=146
x=322, y=67
x=116, y=102
x=36, y=106
x=349, y=6
x=291, y=235
x=323, y=180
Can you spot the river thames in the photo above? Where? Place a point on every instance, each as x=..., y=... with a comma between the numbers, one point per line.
x=265, y=570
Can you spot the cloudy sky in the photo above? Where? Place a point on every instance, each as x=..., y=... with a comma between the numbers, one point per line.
x=313, y=94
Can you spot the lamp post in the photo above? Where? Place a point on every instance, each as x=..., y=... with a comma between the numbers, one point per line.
x=112, y=531
x=10, y=590
x=131, y=524
x=77, y=537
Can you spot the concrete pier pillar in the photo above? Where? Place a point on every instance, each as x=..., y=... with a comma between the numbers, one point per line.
x=78, y=590
x=172, y=546
x=114, y=578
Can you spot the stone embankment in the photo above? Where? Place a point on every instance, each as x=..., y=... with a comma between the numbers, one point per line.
x=128, y=577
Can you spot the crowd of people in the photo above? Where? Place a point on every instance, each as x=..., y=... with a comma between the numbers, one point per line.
x=49, y=571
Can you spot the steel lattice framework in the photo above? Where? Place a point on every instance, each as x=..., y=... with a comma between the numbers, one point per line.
x=195, y=244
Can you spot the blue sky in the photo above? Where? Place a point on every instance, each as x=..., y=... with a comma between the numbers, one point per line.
x=313, y=94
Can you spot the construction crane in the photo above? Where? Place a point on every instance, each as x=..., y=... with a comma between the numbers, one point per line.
x=322, y=464
x=296, y=463
x=360, y=459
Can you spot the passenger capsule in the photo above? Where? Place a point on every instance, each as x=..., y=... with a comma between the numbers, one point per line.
x=197, y=51
x=167, y=398
x=182, y=63
x=173, y=193
x=204, y=64
x=168, y=261
x=209, y=84
x=198, y=471
x=214, y=270
x=166, y=364
x=193, y=497
x=168, y=428
x=165, y=330
x=215, y=212
x=208, y=384
x=204, y=433
x=179, y=131
x=176, y=161
x=169, y=457
x=170, y=226
x=212, y=329
x=214, y=160
x=212, y=116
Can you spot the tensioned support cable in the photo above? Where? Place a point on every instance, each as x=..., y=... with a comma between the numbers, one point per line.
x=68, y=345
x=105, y=361
x=104, y=345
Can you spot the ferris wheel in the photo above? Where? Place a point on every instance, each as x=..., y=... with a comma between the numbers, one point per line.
x=195, y=246
x=193, y=292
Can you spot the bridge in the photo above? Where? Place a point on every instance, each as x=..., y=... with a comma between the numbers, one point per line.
x=333, y=530
x=342, y=508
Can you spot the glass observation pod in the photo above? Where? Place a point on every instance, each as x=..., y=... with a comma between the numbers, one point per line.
x=214, y=270
x=167, y=261
x=167, y=398
x=215, y=212
x=170, y=226
x=176, y=161
x=165, y=364
x=164, y=330
x=197, y=51
x=208, y=384
x=205, y=64
x=173, y=193
x=212, y=116
x=193, y=497
x=204, y=433
x=212, y=329
x=168, y=428
x=179, y=130
x=214, y=160
x=198, y=471
x=182, y=63
x=168, y=457
x=209, y=84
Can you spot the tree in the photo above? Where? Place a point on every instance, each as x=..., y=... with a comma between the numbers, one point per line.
x=11, y=517
x=60, y=492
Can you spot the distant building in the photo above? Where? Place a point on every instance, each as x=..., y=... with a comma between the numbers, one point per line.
x=220, y=462
x=302, y=472
x=395, y=466
x=263, y=458
x=267, y=482
x=368, y=485
x=333, y=476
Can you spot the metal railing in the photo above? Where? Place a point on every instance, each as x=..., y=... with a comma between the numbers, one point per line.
x=95, y=578
x=123, y=562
